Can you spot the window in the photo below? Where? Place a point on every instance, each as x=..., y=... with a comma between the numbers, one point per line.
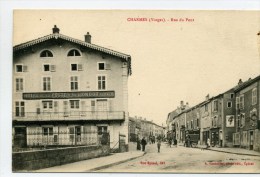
x=198, y=123
x=102, y=129
x=231, y=95
x=19, y=109
x=20, y=68
x=74, y=83
x=237, y=102
x=19, y=84
x=206, y=107
x=73, y=53
x=46, y=84
x=229, y=104
x=47, y=105
x=74, y=104
x=215, y=105
x=46, y=67
x=241, y=102
x=101, y=82
x=46, y=53
x=101, y=66
x=254, y=96
x=47, y=131
x=76, y=67
x=191, y=124
x=238, y=121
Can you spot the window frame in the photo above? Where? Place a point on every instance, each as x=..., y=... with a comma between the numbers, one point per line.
x=106, y=84
x=74, y=83
x=44, y=82
x=47, y=57
x=23, y=84
x=230, y=104
x=75, y=106
x=101, y=63
x=16, y=68
x=75, y=49
x=21, y=108
x=254, y=96
x=215, y=106
x=241, y=102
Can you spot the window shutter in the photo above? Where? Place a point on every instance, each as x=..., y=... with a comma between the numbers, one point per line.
x=80, y=67
x=53, y=68
x=108, y=67
x=38, y=110
x=55, y=106
x=25, y=68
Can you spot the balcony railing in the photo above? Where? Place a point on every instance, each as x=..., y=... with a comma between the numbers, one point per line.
x=72, y=115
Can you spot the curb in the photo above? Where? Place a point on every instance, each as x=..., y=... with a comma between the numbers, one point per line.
x=112, y=164
x=232, y=152
x=226, y=151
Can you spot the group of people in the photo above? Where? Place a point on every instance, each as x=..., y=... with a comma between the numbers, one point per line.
x=143, y=143
x=172, y=142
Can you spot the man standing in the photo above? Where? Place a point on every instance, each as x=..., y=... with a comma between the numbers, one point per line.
x=159, y=144
x=143, y=142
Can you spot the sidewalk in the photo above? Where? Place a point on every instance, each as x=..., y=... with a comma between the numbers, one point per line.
x=95, y=164
x=238, y=151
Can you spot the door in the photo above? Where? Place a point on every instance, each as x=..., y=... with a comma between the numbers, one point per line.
x=47, y=107
x=251, y=140
x=20, y=140
x=102, y=108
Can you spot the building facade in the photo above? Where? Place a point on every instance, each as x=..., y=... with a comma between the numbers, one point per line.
x=247, y=115
x=65, y=88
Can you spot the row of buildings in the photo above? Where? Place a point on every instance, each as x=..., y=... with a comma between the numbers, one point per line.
x=140, y=127
x=68, y=92
x=230, y=119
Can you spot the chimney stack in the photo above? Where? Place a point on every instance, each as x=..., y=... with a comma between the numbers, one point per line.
x=240, y=82
x=55, y=30
x=88, y=38
x=258, y=42
x=207, y=97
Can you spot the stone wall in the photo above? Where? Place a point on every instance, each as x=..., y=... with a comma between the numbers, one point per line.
x=33, y=160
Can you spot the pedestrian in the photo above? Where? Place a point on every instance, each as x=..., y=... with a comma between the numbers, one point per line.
x=175, y=142
x=208, y=143
x=170, y=142
x=158, y=144
x=143, y=143
x=138, y=144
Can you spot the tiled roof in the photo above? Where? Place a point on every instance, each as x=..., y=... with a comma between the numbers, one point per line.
x=82, y=43
x=246, y=83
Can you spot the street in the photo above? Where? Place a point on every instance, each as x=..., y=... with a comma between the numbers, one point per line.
x=188, y=160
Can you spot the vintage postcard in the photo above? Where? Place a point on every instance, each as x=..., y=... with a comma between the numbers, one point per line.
x=142, y=91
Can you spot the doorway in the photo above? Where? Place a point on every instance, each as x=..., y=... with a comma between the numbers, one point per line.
x=251, y=140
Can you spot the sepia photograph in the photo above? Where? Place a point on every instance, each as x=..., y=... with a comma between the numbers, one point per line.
x=136, y=91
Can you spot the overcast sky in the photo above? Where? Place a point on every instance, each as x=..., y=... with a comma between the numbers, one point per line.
x=171, y=61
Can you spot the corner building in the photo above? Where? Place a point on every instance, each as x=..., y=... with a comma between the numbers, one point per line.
x=62, y=84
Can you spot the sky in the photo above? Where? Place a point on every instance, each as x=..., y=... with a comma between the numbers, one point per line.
x=200, y=53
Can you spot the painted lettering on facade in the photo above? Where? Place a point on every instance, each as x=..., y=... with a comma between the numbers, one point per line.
x=68, y=95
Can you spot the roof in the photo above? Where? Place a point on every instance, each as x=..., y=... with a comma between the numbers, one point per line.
x=246, y=83
x=80, y=42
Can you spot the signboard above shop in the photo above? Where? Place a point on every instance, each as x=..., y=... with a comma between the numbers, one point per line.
x=68, y=95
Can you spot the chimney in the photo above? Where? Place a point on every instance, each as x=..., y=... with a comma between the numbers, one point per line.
x=187, y=105
x=181, y=104
x=207, y=97
x=240, y=82
x=55, y=30
x=88, y=38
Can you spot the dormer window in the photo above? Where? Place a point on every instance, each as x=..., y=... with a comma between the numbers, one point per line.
x=46, y=53
x=73, y=53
